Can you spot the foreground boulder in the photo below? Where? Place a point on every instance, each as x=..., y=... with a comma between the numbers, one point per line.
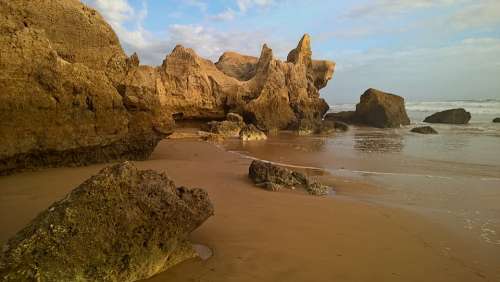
x=453, y=116
x=424, y=130
x=275, y=178
x=122, y=224
x=63, y=98
x=497, y=120
x=377, y=109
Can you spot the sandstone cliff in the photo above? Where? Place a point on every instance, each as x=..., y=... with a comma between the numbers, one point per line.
x=61, y=69
x=267, y=92
x=70, y=96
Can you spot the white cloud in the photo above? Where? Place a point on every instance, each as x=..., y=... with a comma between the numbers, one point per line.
x=227, y=15
x=378, y=8
x=479, y=14
x=244, y=5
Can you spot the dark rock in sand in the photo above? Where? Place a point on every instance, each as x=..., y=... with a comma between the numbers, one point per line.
x=274, y=178
x=380, y=109
x=122, y=224
x=424, y=130
x=453, y=116
x=497, y=120
x=63, y=100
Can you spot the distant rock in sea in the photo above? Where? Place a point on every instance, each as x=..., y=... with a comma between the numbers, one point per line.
x=122, y=224
x=453, y=116
x=496, y=120
x=424, y=130
x=377, y=109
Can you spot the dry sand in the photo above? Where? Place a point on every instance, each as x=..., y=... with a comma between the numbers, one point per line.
x=258, y=235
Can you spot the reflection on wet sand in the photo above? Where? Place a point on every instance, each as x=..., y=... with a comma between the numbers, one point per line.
x=378, y=142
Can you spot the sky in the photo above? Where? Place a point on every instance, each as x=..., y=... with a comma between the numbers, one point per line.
x=423, y=50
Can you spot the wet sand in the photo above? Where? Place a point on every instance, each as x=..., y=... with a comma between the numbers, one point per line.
x=258, y=235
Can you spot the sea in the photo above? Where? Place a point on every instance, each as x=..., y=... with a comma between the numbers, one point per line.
x=452, y=178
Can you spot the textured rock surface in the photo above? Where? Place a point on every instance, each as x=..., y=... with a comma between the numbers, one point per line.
x=62, y=97
x=424, y=130
x=274, y=178
x=251, y=133
x=122, y=224
x=269, y=93
x=224, y=128
x=453, y=116
x=377, y=109
x=380, y=109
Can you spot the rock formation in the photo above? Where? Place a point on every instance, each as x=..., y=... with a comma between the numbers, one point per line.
x=70, y=96
x=267, y=92
x=122, y=224
x=62, y=97
x=496, y=120
x=424, y=130
x=453, y=116
x=377, y=109
x=275, y=178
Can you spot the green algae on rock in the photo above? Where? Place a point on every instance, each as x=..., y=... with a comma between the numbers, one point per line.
x=122, y=224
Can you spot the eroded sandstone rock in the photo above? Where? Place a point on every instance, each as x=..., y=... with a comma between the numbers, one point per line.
x=122, y=224
x=453, y=116
x=61, y=98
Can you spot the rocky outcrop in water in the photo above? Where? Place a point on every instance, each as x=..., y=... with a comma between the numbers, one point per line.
x=377, y=109
x=380, y=109
x=496, y=120
x=275, y=178
x=62, y=94
x=424, y=130
x=453, y=116
x=122, y=224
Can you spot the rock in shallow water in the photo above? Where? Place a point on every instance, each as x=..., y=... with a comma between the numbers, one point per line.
x=122, y=224
x=251, y=133
x=497, y=120
x=453, y=116
x=274, y=178
x=424, y=130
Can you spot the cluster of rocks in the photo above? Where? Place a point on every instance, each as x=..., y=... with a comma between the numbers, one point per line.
x=233, y=127
x=122, y=224
x=275, y=178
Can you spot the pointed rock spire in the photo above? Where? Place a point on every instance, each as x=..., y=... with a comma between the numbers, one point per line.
x=302, y=54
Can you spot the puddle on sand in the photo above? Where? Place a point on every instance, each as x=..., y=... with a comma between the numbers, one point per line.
x=203, y=251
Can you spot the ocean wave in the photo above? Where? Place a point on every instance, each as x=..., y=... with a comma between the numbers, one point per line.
x=478, y=107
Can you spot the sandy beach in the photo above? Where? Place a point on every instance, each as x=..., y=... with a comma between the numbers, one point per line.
x=258, y=235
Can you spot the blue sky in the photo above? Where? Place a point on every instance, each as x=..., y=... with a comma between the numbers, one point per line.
x=419, y=49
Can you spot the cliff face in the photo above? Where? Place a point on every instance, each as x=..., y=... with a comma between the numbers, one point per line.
x=62, y=66
x=268, y=92
x=70, y=96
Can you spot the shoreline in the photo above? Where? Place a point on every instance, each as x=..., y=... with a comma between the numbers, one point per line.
x=258, y=235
